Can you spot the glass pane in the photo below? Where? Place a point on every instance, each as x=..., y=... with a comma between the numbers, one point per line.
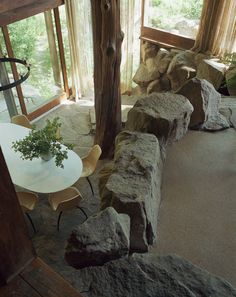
x=30, y=41
x=180, y=17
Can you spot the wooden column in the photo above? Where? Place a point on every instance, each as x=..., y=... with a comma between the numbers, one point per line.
x=107, y=39
x=16, y=249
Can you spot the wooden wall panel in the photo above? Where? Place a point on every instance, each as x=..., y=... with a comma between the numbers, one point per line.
x=16, y=249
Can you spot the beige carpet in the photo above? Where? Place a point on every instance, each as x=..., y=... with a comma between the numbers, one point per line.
x=197, y=218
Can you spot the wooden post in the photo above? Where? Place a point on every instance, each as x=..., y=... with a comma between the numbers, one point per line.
x=16, y=248
x=107, y=39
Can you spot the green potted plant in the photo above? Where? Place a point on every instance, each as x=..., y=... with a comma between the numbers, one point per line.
x=44, y=143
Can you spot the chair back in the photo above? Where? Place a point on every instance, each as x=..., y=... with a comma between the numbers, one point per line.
x=27, y=200
x=70, y=203
x=66, y=199
x=21, y=120
x=94, y=156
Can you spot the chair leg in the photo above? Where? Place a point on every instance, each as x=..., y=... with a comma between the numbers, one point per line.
x=58, y=221
x=90, y=185
x=81, y=209
x=31, y=221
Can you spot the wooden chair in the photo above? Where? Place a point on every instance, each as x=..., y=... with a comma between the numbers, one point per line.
x=90, y=163
x=67, y=199
x=21, y=120
x=27, y=202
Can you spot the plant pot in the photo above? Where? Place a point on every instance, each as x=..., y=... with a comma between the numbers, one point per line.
x=46, y=157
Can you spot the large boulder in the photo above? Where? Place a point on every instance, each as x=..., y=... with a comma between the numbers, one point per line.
x=181, y=68
x=134, y=185
x=212, y=71
x=103, y=237
x=145, y=75
x=148, y=50
x=165, y=115
x=150, y=275
x=206, y=103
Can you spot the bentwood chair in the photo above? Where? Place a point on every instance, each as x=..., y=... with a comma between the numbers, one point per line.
x=21, y=120
x=90, y=163
x=27, y=202
x=67, y=199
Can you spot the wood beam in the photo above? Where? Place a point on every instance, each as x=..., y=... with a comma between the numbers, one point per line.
x=107, y=39
x=16, y=249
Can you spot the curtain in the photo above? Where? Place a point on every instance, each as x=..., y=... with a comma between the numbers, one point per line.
x=217, y=30
x=130, y=25
x=78, y=17
x=79, y=23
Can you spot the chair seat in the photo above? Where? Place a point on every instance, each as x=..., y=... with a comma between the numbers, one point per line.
x=27, y=200
x=64, y=197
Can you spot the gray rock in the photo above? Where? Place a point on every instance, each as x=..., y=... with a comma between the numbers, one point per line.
x=148, y=50
x=212, y=71
x=144, y=75
x=105, y=195
x=150, y=275
x=159, y=85
x=204, y=98
x=165, y=115
x=164, y=63
x=134, y=185
x=181, y=68
x=103, y=237
x=154, y=86
x=215, y=123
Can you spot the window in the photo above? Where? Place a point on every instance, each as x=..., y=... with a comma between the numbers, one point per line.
x=38, y=40
x=174, y=23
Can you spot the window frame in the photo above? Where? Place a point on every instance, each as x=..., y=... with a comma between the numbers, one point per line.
x=56, y=100
x=162, y=37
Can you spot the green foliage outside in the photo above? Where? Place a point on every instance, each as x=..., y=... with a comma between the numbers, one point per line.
x=29, y=41
x=165, y=14
x=43, y=142
x=24, y=35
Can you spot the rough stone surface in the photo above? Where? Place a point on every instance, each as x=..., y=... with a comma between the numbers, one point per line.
x=165, y=115
x=164, y=63
x=150, y=275
x=143, y=76
x=205, y=100
x=154, y=86
x=212, y=71
x=103, y=237
x=105, y=195
x=215, y=123
x=134, y=185
x=148, y=50
x=181, y=68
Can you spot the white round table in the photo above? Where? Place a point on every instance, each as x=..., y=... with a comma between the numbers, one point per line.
x=37, y=175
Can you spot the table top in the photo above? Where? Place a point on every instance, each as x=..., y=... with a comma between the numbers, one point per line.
x=37, y=175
